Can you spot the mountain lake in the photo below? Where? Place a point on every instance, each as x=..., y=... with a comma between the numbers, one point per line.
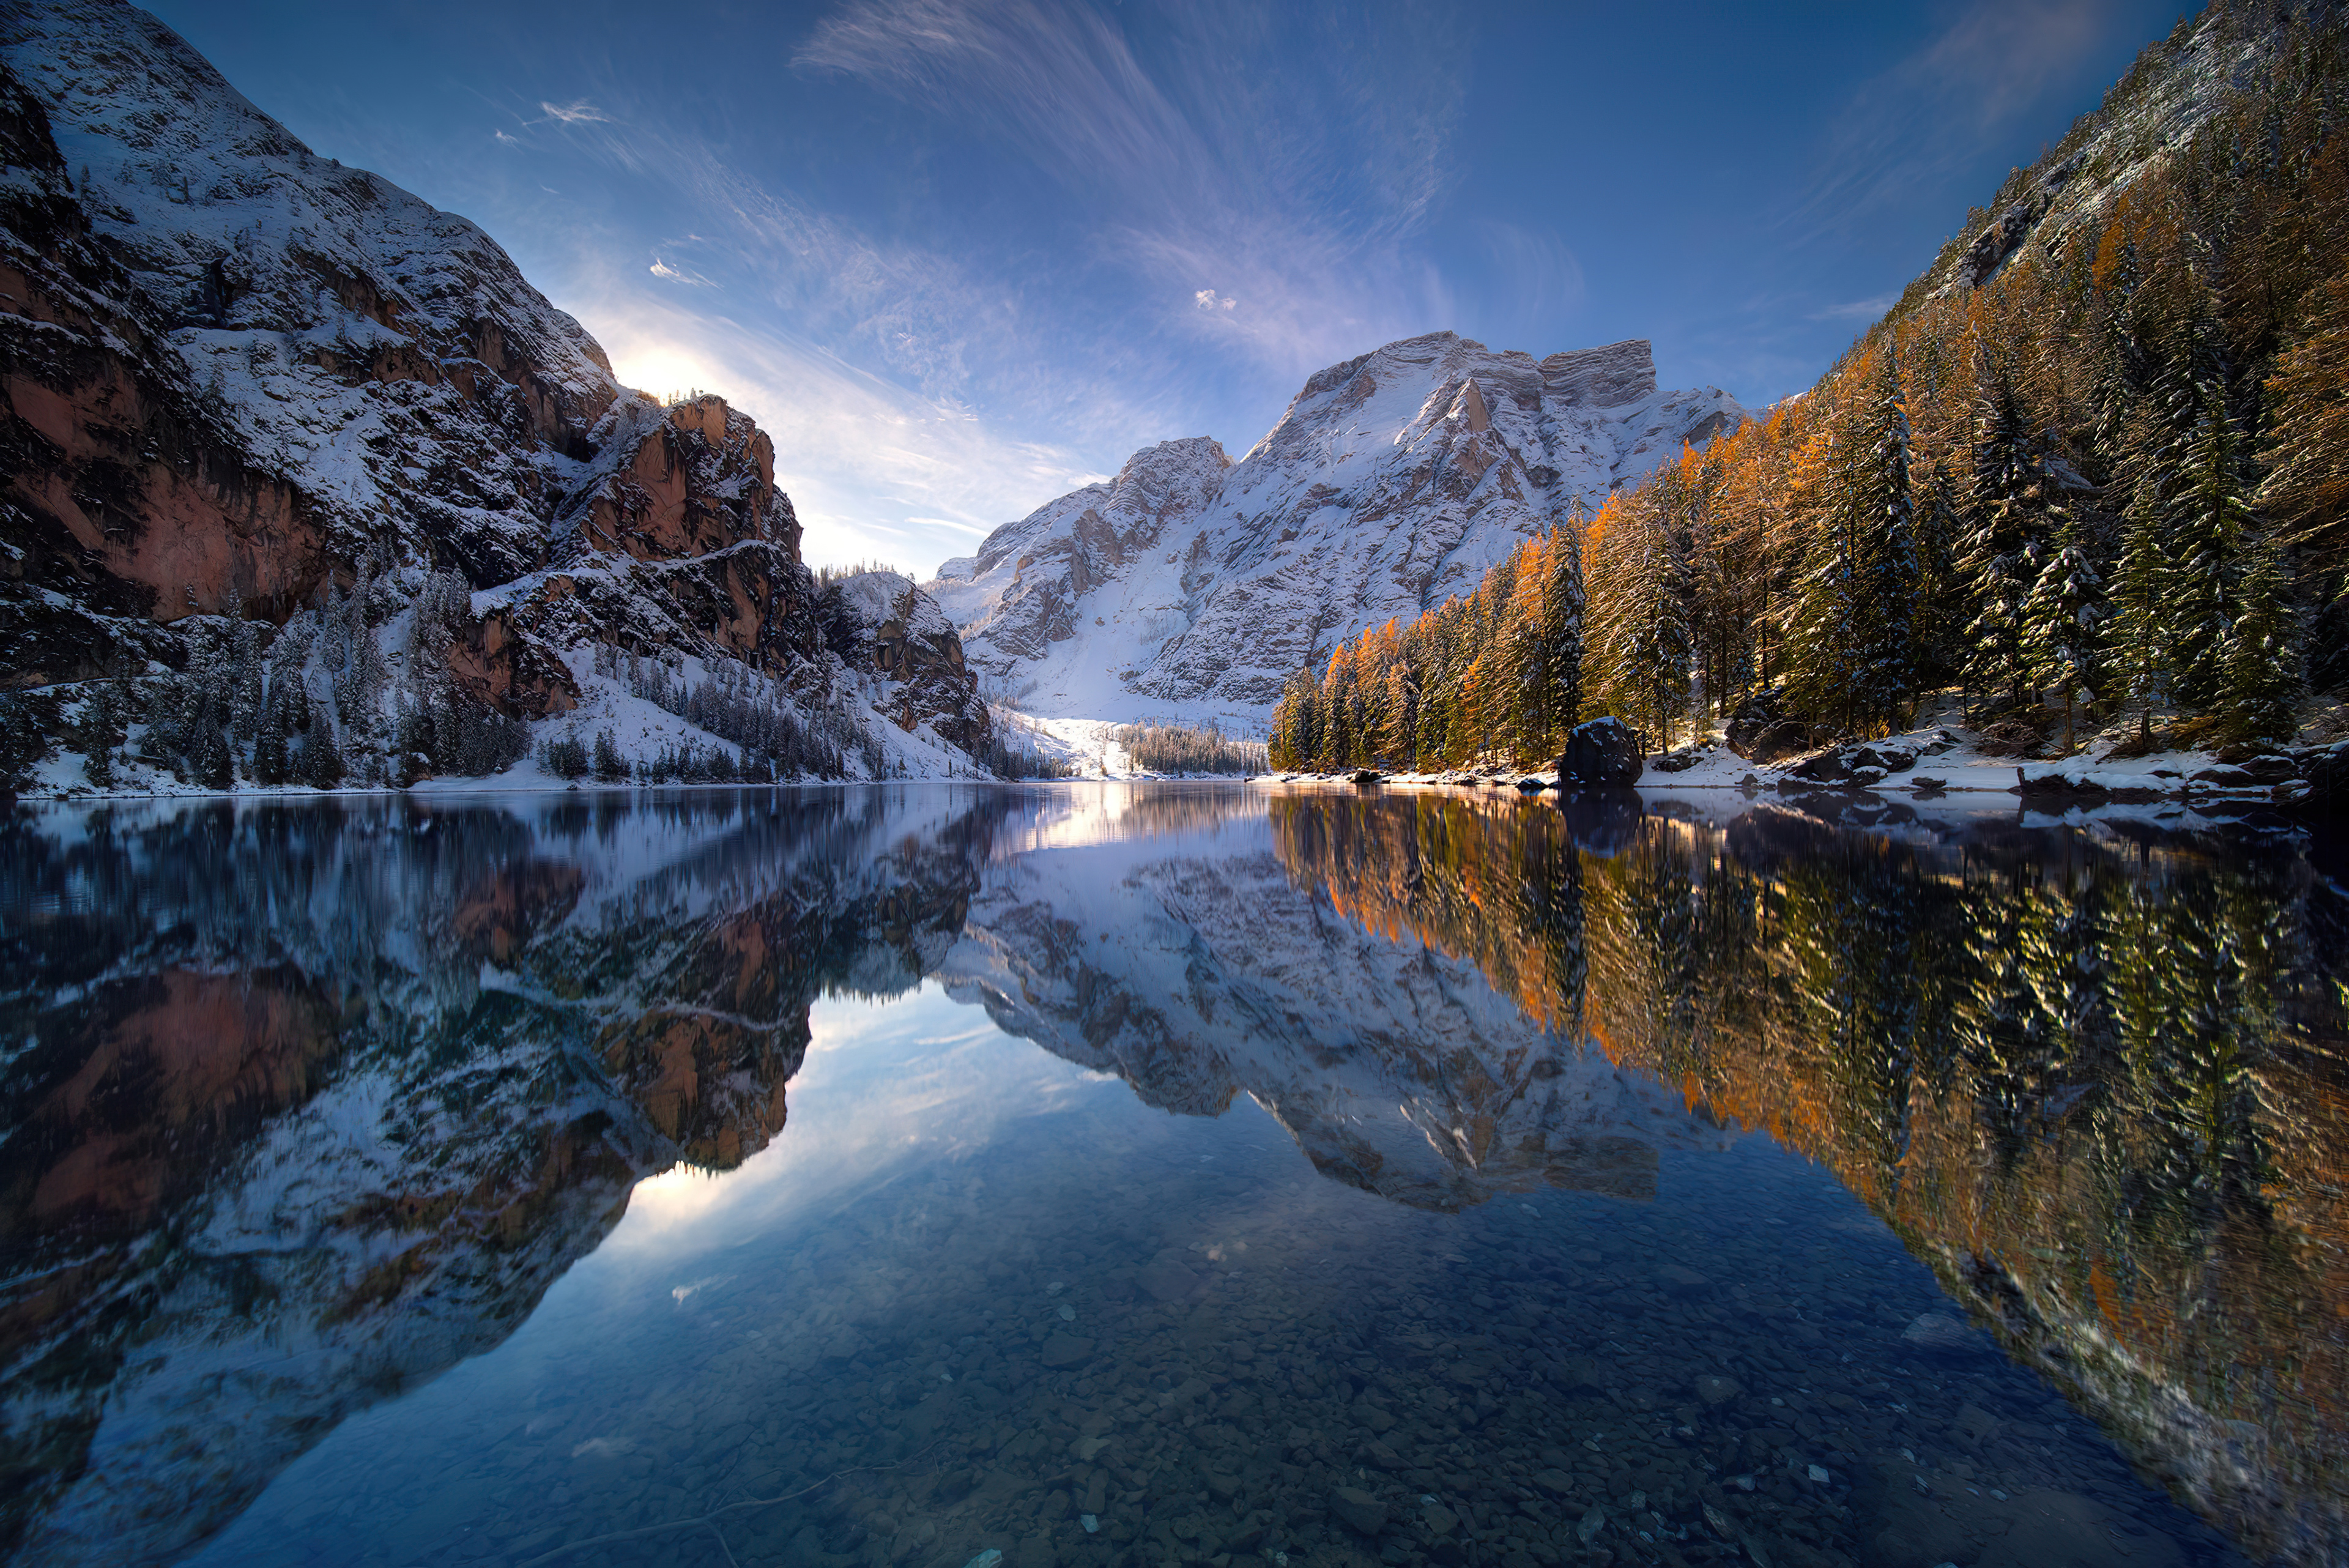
x=1090, y=1176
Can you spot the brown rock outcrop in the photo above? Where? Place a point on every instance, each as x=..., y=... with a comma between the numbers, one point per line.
x=268, y=376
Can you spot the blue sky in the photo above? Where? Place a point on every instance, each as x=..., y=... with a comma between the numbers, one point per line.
x=959, y=258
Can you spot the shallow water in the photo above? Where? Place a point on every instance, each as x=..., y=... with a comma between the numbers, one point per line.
x=877, y=1179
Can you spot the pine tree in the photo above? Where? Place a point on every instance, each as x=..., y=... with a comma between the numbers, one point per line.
x=101, y=730
x=318, y=763
x=2306, y=491
x=2137, y=652
x=1890, y=570
x=1658, y=644
x=23, y=746
x=2208, y=521
x=2062, y=619
x=1999, y=552
x=1825, y=637
x=1940, y=617
x=270, y=760
x=244, y=666
x=209, y=760
x=611, y=768
x=2262, y=674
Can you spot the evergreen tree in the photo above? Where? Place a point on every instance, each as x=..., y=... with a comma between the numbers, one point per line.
x=244, y=672
x=23, y=746
x=2262, y=675
x=2137, y=653
x=2062, y=619
x=1889, y=572
x=1940, y=619
x=209, y=760
x=2306, y=491
x=318, y=762
x=1999, y=552
x=2208, y=524
x=1826, y=641
x=101, y=730
x=1658, y=644
x=610, y=767
x=270, y=762
x=163, y=720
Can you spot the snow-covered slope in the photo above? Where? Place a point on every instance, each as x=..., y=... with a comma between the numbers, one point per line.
x=1194, y=586
x=240, y=377
x=2172, y=89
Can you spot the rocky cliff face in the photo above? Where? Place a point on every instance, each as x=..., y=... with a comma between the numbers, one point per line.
x=237, y=374
x=880, y=623
x=2174, y=87
x=1191, y=583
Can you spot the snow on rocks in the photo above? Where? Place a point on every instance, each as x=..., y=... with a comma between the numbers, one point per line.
x=245, y=377
x=1191, y=585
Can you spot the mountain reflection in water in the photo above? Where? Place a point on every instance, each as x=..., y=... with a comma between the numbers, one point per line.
x=304, y=1106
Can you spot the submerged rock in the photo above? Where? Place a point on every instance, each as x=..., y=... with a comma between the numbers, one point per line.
x=1717, y=1390
x=1940, y=1331
x=1358, y=1510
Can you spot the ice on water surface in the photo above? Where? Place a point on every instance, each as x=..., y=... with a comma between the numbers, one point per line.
x=887, y=1177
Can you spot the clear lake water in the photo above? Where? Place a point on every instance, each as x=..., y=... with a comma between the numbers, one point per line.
x=1112, y=1175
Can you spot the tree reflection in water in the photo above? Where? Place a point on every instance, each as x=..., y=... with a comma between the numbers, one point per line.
x=2092, y=1074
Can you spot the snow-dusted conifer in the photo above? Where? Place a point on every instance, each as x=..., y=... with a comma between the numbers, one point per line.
x=1997, y=554
x=2263, y=678
x=2209, y=518
x=2063, y=622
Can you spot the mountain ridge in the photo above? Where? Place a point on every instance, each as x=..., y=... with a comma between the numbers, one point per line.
x=1192, y=584
x=243, y=381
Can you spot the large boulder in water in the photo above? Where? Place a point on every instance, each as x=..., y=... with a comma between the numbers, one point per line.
x=1601, y=754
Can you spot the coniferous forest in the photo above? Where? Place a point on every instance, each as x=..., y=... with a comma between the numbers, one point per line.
x=2090, y=470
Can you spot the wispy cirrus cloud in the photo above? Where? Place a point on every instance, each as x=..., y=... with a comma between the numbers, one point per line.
x=989, y=378
x=1299, y=196
x=1855, y=309
x=1931, y=115
x=577, y=113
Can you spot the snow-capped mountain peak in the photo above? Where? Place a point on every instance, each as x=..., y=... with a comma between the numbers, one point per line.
x=1192, y=586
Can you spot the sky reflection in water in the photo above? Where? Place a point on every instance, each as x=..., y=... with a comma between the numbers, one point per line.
x=490, y=1235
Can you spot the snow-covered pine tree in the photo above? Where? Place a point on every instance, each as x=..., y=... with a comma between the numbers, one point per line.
x=1659, y=643
x=2063, y=621
x=24, y=745
x=1939, y=621
x=271, y=761
x=2306, y=491
x=1826, y=640
x=1889, y=574
x=318, y=763
x=2263, y=679
x=210, y=761
x=359, y=681
x=1553, y=639
x=244, y=663
x=2209, y=519
x=2138, y=635
x=610, y=766
x=1997, y=554
x=100, y=731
